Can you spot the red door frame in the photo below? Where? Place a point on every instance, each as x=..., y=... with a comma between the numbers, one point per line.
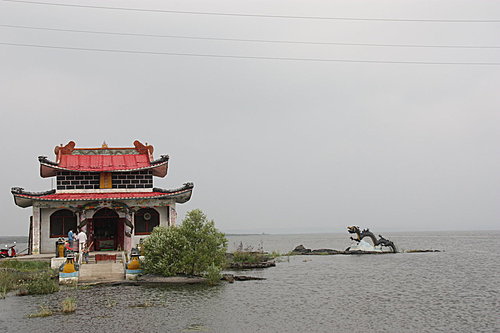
x=90, y=233
x=119, y=229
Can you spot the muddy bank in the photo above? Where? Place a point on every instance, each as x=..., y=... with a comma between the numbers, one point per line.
x=150, y=279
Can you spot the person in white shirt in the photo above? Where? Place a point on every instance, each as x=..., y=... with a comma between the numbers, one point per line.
x=82, y=240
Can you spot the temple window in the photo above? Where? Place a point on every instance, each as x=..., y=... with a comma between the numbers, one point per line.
x=145, y=220
x=61, y=222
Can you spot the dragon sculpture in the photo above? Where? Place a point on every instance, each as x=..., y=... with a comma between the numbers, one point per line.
x=367, y=233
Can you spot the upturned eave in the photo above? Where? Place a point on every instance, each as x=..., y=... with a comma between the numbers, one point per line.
x=25, y=199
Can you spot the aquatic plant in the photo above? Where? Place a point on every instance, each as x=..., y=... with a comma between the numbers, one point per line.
x=274, y=254
x=188, y=249
x=44, y=311
x=109, y=303
x=195, y=328
x=283, y=258
x=146, y=304
x=68, y=305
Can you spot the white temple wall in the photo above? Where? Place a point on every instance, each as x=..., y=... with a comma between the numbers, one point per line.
x=42, y=243
x=47, y=244
x=165, y=221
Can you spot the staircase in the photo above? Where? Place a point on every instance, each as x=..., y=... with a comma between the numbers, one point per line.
x=102, y=271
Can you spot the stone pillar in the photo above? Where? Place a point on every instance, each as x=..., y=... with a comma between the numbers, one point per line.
x=127, y=242
x=37, y=219
x=172, y=213
x=79, y=215
x=82, y=217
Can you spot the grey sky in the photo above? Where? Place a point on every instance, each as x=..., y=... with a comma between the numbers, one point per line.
x=272, y=146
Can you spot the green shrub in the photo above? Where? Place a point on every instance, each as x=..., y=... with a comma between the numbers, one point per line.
x=188, y=249
x=42, y=284
x=163, y=250
x=213, y=275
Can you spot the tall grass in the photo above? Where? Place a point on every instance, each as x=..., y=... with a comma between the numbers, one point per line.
x=8, y=282
x=24, y=265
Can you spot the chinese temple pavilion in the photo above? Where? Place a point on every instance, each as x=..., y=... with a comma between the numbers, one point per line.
x=108, y=192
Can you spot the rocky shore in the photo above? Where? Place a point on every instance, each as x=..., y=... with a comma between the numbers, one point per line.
x=301, y=250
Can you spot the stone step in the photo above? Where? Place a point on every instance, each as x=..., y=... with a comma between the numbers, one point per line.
x=102, y=271
x=119, y=258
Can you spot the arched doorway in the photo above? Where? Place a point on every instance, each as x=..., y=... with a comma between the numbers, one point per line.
x=107, y=230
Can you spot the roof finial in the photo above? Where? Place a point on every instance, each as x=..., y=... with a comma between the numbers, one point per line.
x=104, y=144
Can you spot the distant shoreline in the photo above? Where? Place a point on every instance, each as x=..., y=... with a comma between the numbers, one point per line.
x=306, y=233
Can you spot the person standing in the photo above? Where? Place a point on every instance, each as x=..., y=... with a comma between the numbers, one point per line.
x=82, y=240
x=71, y=238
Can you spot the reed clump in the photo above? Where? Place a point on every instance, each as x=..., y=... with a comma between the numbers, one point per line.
x=68, y=305
x=44, y=311
x=249, y=255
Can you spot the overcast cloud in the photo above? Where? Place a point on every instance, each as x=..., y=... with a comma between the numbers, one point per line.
x=272, y=146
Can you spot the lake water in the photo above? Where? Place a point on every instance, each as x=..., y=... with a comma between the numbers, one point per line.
x=452, y=291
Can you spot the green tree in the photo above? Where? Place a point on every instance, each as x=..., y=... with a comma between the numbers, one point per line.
x=189, y=249
x=163, y=250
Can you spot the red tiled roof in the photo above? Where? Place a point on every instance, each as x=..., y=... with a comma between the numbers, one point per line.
x=26, y=199
x=102, y=196
x=102, y=163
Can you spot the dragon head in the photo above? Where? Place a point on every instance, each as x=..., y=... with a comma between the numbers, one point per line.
x=353, y=229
